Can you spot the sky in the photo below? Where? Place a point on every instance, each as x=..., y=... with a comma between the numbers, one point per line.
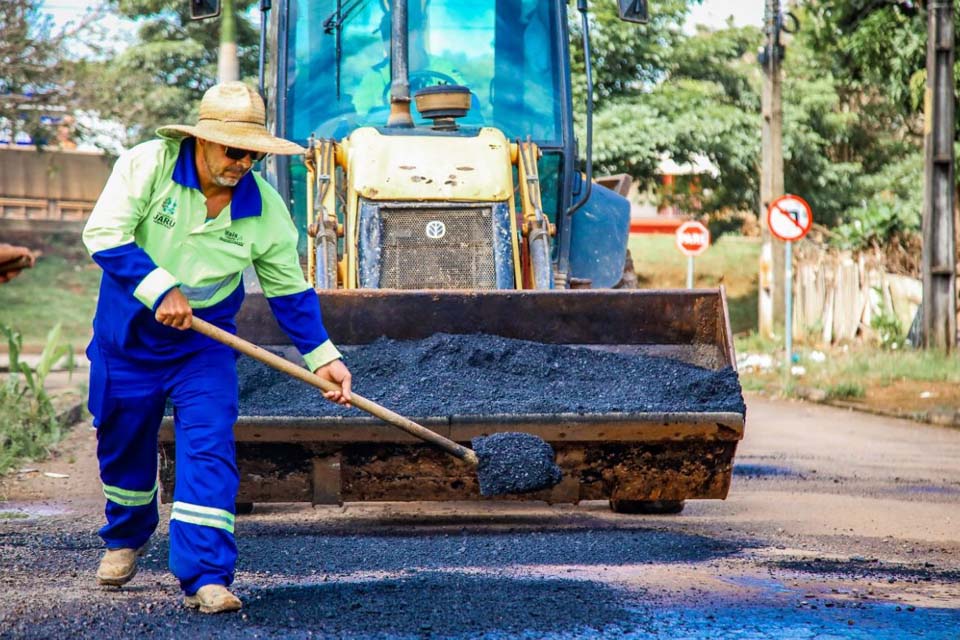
x=712, y=13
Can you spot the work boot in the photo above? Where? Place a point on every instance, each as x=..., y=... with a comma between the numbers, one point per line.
x=118, y=566
x=213, y=598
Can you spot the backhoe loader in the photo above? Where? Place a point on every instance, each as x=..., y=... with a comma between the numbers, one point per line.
x=442, y=193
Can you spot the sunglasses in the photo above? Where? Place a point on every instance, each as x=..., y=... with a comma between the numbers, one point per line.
x=239, y=154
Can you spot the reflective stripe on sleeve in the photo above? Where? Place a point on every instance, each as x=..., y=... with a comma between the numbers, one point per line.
x=203, y=516
x=202, y=294
x=127, y=497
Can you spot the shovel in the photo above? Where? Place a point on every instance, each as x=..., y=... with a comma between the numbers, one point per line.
x=505, y=462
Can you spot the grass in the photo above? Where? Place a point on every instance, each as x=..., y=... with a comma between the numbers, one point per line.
x=884, y=367
x=59, y=289
x=846, y=372
x=732, y=261
x=28, y=417
x=846, y=391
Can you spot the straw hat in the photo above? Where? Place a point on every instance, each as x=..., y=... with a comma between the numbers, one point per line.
x=233, y=114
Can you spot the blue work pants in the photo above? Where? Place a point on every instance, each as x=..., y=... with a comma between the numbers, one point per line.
x=127, y=400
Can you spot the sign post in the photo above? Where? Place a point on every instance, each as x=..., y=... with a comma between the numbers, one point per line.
x=692, y=239
x=789, y=218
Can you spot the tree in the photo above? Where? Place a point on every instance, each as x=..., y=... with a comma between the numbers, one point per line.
x=876, y=45
x=874, y=56
x=693, y=96
x=626, y=56
x=161, y=78
x=37, y=75
x=853, y=79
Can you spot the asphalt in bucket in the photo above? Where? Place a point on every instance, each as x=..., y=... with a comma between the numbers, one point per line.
x=512, y=462
x=449, y=375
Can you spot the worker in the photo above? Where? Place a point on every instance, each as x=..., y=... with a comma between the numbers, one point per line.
x=13, y=260
x=178, y=221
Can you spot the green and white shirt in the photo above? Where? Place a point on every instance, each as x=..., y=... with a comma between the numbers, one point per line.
x=149, y=232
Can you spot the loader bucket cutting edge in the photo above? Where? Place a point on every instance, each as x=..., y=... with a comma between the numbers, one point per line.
x=621, y=457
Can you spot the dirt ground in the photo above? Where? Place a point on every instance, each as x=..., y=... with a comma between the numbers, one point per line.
x=912, y=397
x=838, y=525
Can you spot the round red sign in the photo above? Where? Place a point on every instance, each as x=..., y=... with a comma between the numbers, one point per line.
x=692, y=238
x=789, y=218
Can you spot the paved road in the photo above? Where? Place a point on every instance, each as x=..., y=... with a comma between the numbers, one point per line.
x=838, y=525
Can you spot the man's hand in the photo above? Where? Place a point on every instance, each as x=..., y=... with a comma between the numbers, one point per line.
x=175, y=311
x=13, y=260
x=337, y=372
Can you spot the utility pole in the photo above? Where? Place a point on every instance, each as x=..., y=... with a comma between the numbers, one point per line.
x=771, y=302
x=939, y=247
x=228, y=64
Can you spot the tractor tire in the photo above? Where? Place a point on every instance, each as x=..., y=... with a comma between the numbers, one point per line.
x=647, y=507
x=243, y=508
x=629, y=278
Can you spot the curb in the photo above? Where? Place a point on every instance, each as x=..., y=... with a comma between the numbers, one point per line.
x=941, y=417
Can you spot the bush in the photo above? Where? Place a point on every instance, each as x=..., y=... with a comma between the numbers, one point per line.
x=28, y=419
x=889, y=332
x=877, y=223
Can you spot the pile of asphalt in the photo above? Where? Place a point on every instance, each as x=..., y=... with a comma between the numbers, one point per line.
x=481, y=375
x=514, y=463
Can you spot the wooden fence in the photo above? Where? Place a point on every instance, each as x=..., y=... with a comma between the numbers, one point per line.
x=838, y=295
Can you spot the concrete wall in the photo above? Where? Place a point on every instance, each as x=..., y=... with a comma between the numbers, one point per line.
x=50, y=189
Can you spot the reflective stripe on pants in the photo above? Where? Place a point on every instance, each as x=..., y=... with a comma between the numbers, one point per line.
x=127, y=400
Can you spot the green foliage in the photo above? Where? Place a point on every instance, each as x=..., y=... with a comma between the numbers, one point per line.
x=891, y=211
x=160, y=79
x=875, y=224
x=890, y=334
x=852, y=81
x=706, y=121
x=695, y=96
x=872, y=46
x=626, y=56
x=28, y=419
x=818, y=131
x=37, y=74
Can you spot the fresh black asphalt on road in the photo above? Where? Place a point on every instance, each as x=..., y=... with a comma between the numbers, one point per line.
x=411, y=580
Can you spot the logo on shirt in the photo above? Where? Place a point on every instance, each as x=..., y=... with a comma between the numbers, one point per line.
x=164, y=217
x=169, y=206
x=232, y=237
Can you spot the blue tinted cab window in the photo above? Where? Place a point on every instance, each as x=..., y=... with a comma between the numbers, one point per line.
x=504, y=51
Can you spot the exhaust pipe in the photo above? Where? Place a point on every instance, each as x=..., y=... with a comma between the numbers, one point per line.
x=400, y=72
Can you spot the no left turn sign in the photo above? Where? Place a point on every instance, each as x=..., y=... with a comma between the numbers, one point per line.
x=789, y=218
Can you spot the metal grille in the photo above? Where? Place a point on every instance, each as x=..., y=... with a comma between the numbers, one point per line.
x=461, y=258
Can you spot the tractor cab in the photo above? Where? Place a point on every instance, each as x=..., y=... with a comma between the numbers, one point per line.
x=509, y=54
x=336, y=73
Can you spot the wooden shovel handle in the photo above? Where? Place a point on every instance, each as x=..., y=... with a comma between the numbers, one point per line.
x=285, y=366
